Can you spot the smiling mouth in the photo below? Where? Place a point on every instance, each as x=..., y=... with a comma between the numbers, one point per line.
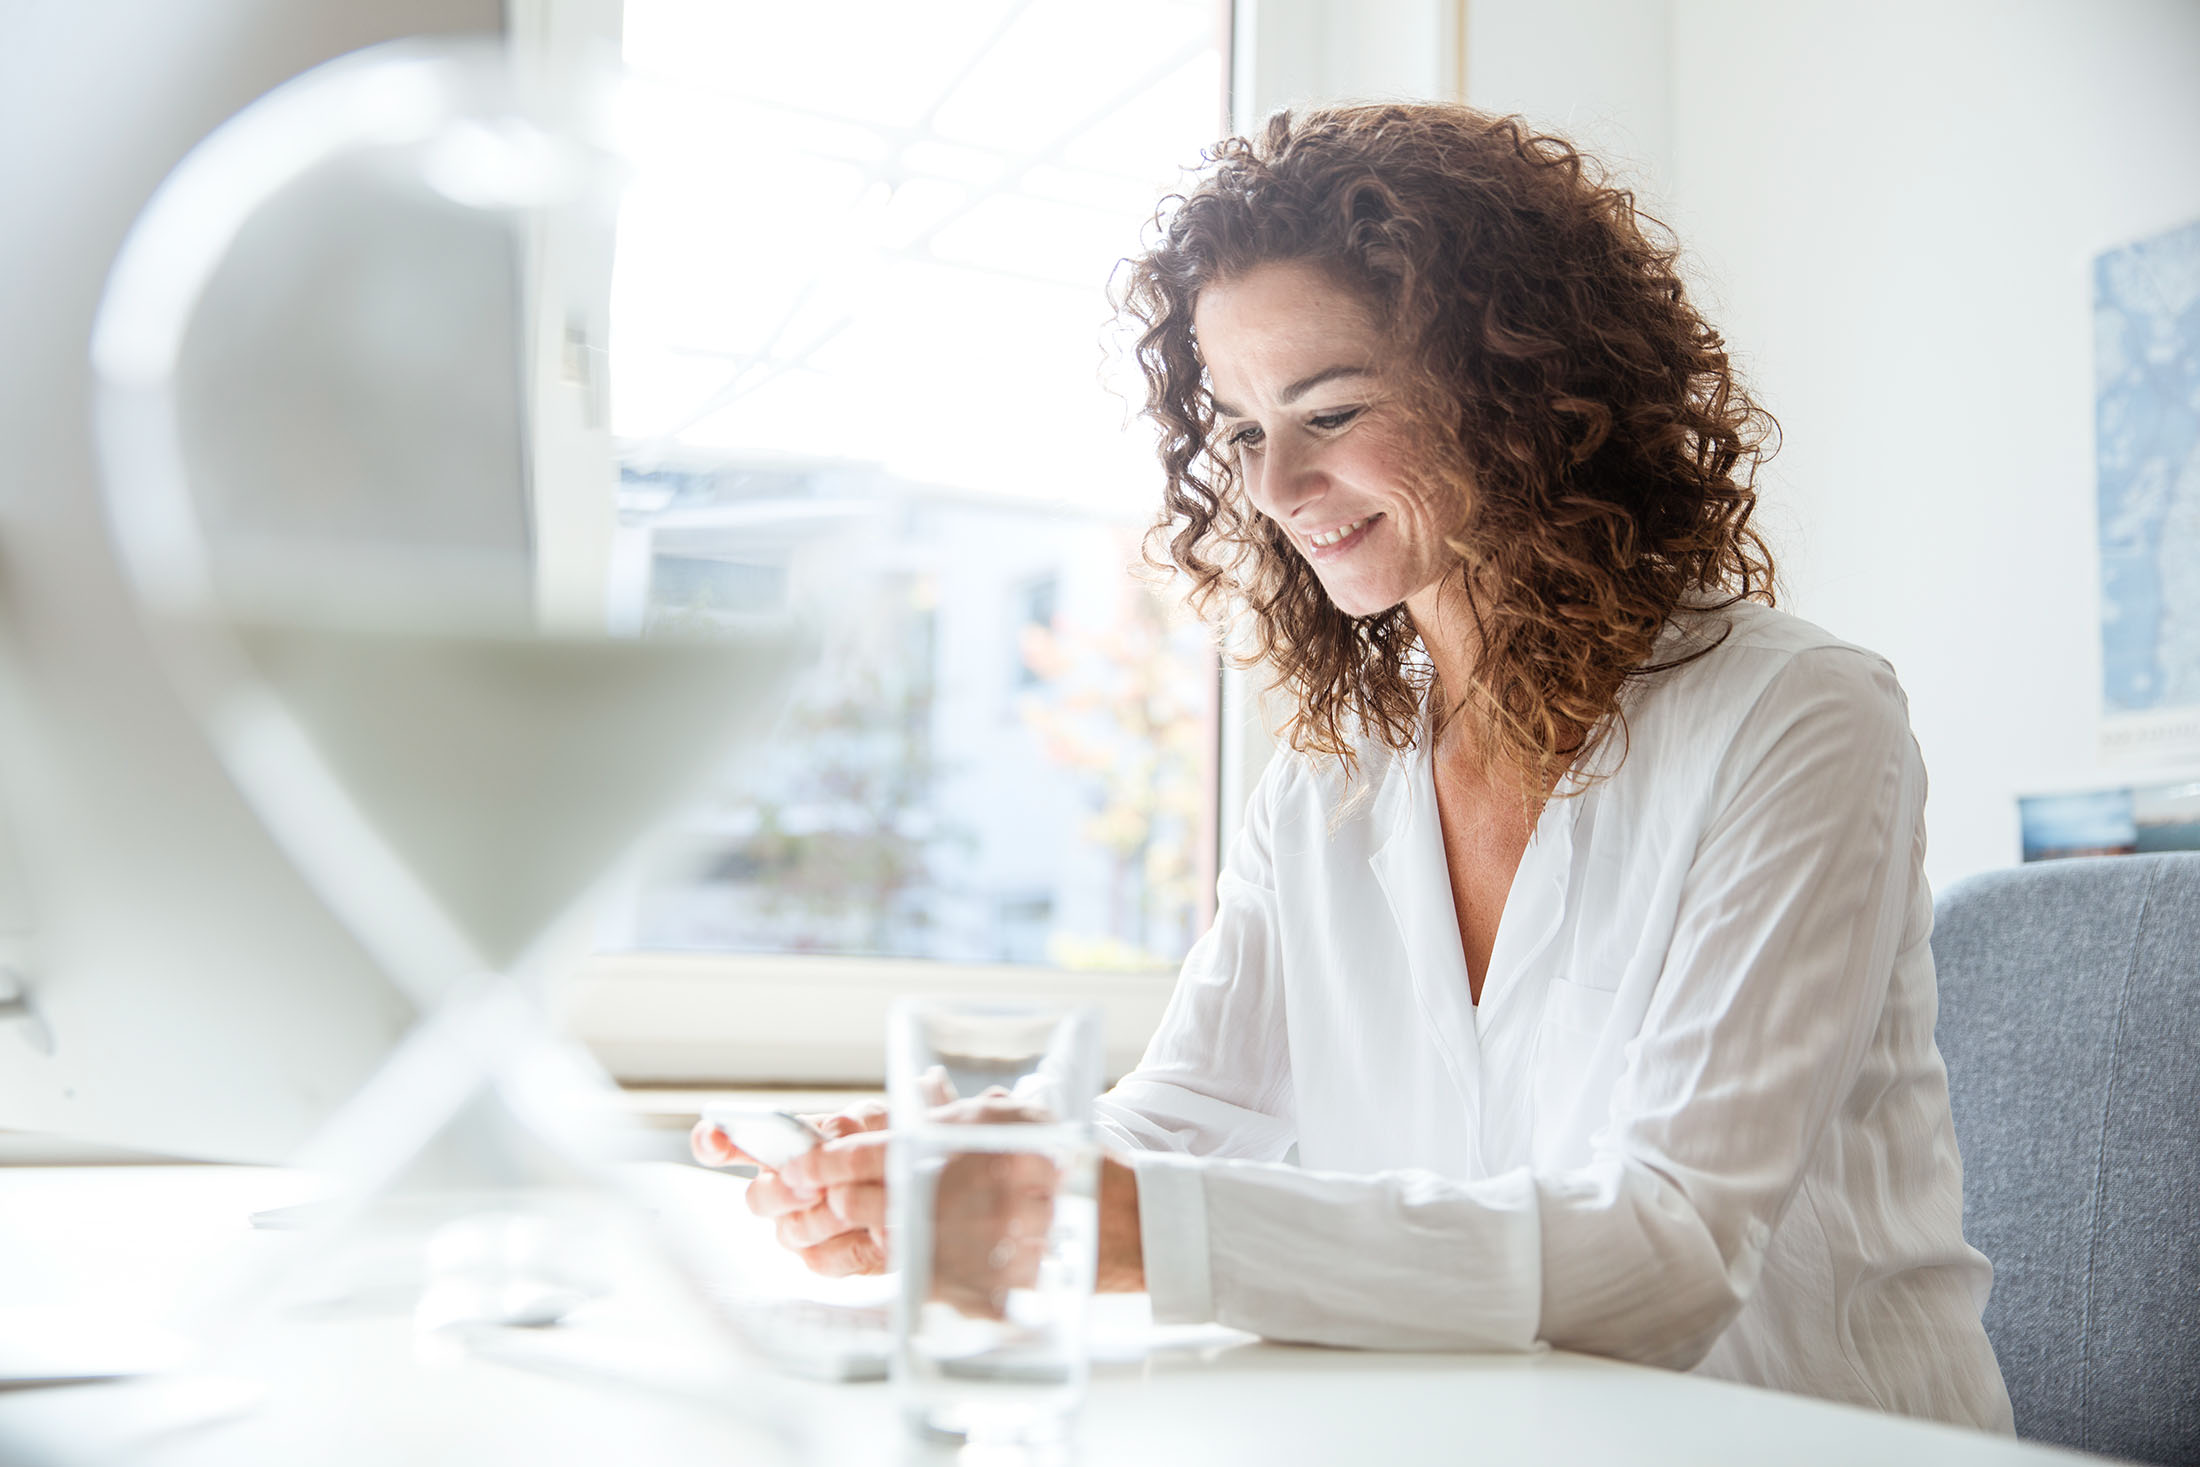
x=1334, y=542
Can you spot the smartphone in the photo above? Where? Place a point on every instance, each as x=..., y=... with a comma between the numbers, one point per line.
x=769, y=1137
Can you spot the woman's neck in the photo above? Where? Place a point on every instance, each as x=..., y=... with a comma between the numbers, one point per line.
x=1451, y=637
x=1452, y=640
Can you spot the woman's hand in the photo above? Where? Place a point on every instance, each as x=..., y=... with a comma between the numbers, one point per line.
x=994, y=1209
x=1121, y=1266
x=839, y=1228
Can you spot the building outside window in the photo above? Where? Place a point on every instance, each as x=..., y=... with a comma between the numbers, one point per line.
x=861, y=360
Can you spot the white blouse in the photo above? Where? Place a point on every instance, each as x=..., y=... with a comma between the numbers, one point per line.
x=1698, y=1119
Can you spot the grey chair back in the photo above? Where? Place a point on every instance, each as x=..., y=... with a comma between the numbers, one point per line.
x=2070, y=1021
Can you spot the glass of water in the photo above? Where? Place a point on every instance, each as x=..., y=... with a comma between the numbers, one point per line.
x=995, y=1220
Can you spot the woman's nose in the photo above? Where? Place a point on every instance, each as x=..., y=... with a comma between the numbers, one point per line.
x=1285, y=478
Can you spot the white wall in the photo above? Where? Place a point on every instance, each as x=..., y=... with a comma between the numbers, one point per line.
x=1892, y=210
x=1597, y=71
x=1292, y=53
x=1898, y=206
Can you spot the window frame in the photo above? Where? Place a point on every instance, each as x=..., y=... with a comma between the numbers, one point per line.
x=813, y=1021
x=683, y=1018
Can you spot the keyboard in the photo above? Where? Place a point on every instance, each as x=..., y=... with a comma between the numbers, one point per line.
x=815, y=1339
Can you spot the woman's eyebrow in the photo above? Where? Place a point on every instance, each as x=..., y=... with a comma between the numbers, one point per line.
x=1301, y=387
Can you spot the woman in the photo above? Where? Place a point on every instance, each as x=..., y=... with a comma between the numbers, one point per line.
x=1569, y=979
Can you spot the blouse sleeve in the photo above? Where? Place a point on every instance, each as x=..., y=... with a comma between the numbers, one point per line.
x=1790, y=920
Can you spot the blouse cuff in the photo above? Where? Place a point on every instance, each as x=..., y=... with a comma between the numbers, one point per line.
x=1172, y=1232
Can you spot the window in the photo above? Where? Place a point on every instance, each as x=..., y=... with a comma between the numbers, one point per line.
x=858, y=352
x=1036, y=606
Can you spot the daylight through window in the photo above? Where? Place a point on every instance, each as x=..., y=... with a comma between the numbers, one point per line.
x=860, y=355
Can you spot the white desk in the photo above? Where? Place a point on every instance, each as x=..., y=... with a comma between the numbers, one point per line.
x=98, y=1237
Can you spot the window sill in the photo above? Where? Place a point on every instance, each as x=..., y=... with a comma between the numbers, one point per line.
x=711, y=1019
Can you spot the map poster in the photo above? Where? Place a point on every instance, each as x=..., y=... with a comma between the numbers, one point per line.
x=2146, y=373
x=2163, y=817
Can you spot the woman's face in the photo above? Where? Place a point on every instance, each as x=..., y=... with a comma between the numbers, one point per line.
x=1305, y=406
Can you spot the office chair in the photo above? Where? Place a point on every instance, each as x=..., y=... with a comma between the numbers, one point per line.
x=2070, y=1021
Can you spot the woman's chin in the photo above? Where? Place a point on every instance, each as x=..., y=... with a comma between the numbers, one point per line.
x=1356, y=602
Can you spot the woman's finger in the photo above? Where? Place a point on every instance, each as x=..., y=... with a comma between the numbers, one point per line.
x=859, y=1204
x=771, y=1196
x=935, y=1086
x=810, y=1227
x=849, y=1253
x=868, y=1116
x=856, y=1158
x=709, y=1145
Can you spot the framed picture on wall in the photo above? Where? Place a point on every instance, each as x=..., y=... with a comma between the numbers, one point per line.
x=2146, y=375
x=2111, y=822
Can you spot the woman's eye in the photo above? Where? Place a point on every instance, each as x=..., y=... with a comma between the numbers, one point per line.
x=1247, y=435
x=1330, y=422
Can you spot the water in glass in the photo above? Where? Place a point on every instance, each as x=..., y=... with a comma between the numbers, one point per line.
x=995, y=1217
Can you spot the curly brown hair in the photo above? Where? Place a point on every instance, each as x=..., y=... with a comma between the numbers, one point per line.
x=1555, y=368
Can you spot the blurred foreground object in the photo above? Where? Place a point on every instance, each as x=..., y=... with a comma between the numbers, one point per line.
x=995, y=1216
x=314, y=360
x=306, y=383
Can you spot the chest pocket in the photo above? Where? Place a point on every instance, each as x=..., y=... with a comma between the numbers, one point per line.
x=1571, y=1094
